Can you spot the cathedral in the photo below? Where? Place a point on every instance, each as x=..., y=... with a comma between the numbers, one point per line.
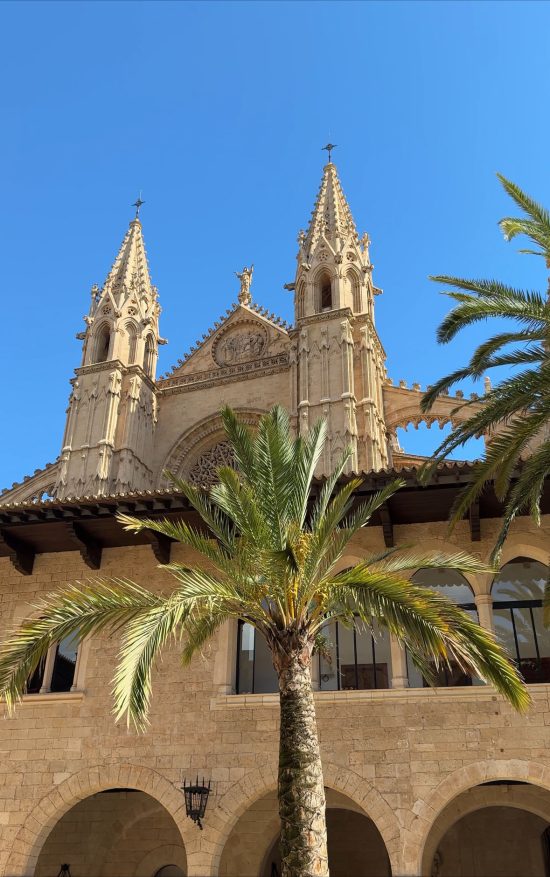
x=421, y=781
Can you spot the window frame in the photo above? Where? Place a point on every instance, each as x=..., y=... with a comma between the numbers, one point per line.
x=49, y=669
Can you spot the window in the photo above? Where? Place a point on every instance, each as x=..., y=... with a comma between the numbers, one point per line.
x=149, y=356
x=255, y=671
x=355, y=287
x=355, y=658
x=57, y=670
x=517, y=612
x=325, y=293
x=132, y=343
x=452, y=585
x=102, y=344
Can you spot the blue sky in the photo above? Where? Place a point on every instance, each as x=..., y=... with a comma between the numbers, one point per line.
x=218, y=112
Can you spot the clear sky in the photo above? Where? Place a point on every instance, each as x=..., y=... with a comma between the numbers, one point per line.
x=218, y=112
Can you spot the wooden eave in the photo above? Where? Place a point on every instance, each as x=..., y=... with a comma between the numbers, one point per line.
x=89, y=524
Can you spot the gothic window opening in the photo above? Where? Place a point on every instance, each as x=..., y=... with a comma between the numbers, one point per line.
x=102, y=345
x=149, y=356
x=355, y=287
x=325, y=292
x=132, y=343
x=300, y=302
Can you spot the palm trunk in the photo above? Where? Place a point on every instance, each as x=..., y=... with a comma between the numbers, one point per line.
x=301, y=789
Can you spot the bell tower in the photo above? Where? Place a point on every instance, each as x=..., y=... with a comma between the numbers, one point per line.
x=108, y=441
x=338, y=355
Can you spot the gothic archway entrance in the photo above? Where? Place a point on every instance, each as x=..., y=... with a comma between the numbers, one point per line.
x=355, y=845
x=498, y=829
x=114, y=833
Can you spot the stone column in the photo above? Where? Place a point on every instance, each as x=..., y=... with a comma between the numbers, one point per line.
x=484, y=603
x=399, y=675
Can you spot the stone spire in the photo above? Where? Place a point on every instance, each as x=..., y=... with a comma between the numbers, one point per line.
x=130, y=271
x=331, y=215
x=108, y=442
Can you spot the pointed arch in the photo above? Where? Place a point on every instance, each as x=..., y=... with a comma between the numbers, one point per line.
x=132, y=332
x=301, y=300
x=324, y=292
x=102, y=343
x=354, y=284
x=149, y=356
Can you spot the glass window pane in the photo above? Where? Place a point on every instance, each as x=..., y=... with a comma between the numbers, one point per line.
x=265, y=676
x=35, y=682
x=328, y=669
x=525, y=633
x=504, y=631
x=382, y=655
x=64, y=665
x=447, y=582
x=346, y=655
x=366, y=675
x=521, y=579
x=543, y=639
x=246, y=659
x=415, y=676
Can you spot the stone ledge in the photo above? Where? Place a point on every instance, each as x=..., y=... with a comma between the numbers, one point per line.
x=49, y=697
x=465, y=694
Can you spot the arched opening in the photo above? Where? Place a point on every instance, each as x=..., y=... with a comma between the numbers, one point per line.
x=450, y=584
x=355, y=288
x=170, y=871
x=300, y=301
x=132, y=343
x=149, y=356
x=112, y=834
x=102, y=344
x=325, y=292
x=517, y=594
x=497, y=829
x=355, y=845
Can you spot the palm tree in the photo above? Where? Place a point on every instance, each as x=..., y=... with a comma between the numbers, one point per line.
x=515, y=416
x=269, y=559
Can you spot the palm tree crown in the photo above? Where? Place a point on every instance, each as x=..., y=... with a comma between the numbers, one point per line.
x=269, y=557
x=515, y=416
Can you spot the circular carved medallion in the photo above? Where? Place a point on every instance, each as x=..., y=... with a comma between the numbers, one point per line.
x=241, y=343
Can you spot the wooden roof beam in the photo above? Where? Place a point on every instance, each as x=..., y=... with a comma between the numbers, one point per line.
x=21, y=555
x=90, y=549
x=387, y=525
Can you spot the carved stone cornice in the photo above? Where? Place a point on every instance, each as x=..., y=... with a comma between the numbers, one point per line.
x=215, y=377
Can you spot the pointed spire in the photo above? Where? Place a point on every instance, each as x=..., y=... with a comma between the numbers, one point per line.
x=331, y=215
x=130, y=271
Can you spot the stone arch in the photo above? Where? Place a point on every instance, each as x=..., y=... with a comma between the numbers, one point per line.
x=199, y=439
x=260, y=781
x=354, y=281
x=101, y=343
x=38, y=824
x=429, y=809
x=131, y=330
x=532, y=545
x=529, y=798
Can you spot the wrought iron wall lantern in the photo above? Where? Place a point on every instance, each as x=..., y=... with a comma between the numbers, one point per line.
x=196, y=799
x=64, y=871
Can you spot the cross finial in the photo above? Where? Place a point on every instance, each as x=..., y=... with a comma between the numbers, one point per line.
x=137, y=204
x=329, y=147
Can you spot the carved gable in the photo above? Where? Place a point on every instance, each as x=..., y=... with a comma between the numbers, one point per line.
x=244, y=337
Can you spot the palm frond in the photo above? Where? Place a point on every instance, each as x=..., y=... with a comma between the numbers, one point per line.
x=78, y=610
